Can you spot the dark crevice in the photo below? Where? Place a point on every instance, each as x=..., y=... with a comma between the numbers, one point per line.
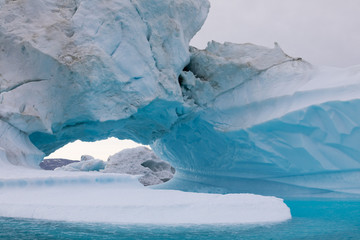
x=115, y=49
x=74, y=10
x=187, y=67
x=186, y=92
x=148, y=32
x=181, y=80
x=165, y=179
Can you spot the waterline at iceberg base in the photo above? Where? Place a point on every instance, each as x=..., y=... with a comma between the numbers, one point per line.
x=310, y=220
x=232, y=118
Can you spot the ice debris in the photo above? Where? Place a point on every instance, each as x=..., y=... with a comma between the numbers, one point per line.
x=140, y=161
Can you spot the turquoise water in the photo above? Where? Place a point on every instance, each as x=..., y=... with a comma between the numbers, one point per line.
x=311, y=220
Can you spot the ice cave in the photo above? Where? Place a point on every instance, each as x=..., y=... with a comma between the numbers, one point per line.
x=231, y=118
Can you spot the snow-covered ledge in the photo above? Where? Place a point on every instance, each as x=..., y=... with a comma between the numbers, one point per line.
x=113, y=198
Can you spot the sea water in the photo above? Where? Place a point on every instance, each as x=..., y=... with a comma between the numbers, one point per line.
x=311, y=220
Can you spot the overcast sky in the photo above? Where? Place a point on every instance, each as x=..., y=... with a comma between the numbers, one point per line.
x=323, y=32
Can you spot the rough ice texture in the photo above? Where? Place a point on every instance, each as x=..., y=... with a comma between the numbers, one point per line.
x=270, y=124
x=230, y=118
x=82, y=69
x=140, y=161
x=86, y=157
x=96, y=197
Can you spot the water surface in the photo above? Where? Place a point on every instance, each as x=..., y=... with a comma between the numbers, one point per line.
x=311, y=220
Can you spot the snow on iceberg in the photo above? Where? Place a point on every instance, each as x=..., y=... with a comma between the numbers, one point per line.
x=126, y=201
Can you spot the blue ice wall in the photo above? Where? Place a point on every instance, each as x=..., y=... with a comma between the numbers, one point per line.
x=266, y=123
x=308, y=153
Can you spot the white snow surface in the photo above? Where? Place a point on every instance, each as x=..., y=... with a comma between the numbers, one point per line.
x=118, y=198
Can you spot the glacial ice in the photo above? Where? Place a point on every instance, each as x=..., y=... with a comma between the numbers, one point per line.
x=270, y=124
x=140, y=161
x=231, y=118
x=107, y=198
x=87, y=70
x=82, y=69
x=87, y=165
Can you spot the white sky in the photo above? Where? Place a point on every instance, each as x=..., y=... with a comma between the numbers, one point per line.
x=100, y=149
x=323, y=32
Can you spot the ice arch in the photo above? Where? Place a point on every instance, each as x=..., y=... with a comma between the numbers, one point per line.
x=230, y=118
x=87, y=70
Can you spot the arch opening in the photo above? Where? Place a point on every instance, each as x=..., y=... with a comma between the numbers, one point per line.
x=101, y=149
x=111, y=155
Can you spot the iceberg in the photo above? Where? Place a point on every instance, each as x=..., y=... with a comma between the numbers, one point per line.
x=140, y=161
x=270, y=124
x=82, y=69
x=232, y=118
x=121, y=199
x=88, y=165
